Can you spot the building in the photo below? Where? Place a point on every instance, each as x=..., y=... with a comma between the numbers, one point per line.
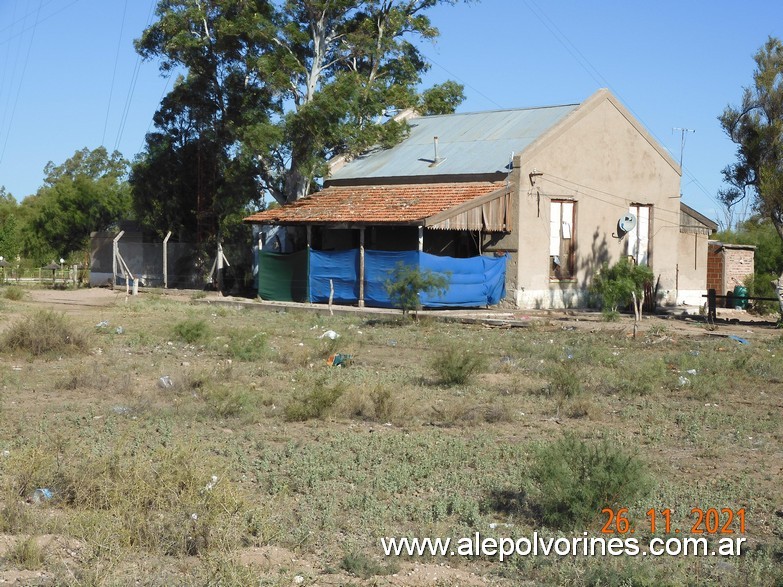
x=555, y=192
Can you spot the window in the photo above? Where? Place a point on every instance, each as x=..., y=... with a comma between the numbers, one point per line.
x=637, y=244
x=561, y=239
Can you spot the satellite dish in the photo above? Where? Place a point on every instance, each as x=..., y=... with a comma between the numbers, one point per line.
x=626, y=224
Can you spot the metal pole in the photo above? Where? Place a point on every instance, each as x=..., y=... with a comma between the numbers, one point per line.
x=166, y=261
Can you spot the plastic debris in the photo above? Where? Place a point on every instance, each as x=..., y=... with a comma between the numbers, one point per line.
x=212, y=482
x=338, y=360
x=684, y=381
x=330, y=334
x=739, y=339
x=40, y=495
x=165, y=382
x=691, y=371
x=392, y=343
x=119, y=330
x=102, y=324
x=121, y=410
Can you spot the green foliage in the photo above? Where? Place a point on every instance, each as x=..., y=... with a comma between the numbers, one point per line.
x=191, y=330
x=313, y=404
x=577, y=479
x=27, y=554
x=86, y=193
x=361, y=565
x=272, y=91
x=456, y=366
x=614, y=285
x=14, y=293
x=45, y=333
x=407, y=283
x=9, y=226
x=754, y=127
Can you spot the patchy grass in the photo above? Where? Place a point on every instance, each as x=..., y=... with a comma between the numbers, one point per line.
x=261, y=463
x=45, y=333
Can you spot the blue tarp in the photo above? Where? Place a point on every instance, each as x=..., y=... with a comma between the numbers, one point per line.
x=473, y=282
x=342, y=268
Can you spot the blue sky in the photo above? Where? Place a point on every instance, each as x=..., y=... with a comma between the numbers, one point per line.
x=69, y=77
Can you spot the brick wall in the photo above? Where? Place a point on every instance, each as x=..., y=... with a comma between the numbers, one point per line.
x=728, y=267
x=738, y=266
x=715, y=268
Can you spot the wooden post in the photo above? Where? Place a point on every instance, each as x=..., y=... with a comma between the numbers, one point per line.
x=361, y=267
x=166, y=260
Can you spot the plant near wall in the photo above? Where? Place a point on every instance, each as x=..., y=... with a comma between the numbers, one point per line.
x=406, y=284
x=620, y=285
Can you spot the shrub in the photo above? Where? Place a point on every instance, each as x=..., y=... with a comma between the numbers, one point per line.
x=455, y=366
x=246, y=345
x=27, y=554
x=577, y=480
x=191, y=330
x=45, y=333
x=615, y=285
x=407, y=283
x=314, y=404
x=14, y=293
x=361, y=565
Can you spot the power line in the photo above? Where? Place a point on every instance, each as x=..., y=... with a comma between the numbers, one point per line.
x=114, y=73
x=21, y=81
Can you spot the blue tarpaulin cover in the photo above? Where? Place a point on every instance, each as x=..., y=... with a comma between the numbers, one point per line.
x=342, y=267
x=473, y=282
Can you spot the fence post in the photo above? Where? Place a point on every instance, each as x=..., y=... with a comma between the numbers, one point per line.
x=711, y=305
x=166, y=261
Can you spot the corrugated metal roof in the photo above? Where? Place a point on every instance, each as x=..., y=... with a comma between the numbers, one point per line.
x=469, y=143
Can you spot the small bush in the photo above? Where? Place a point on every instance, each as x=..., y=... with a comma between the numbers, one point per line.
x=246, y=345
x=407, y=283
x=314, y=404
x=564, y=381
x=577, y=480
x=45, y=333
x=455, y=366
x=14, y=293
x=27, y=555
x=364, y=567
x=223, y=401
x=191, y=330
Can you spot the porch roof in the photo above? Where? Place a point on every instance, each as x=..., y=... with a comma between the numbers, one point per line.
x=479, y=205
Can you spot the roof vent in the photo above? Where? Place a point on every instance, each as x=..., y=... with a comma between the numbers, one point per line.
x=437, y=160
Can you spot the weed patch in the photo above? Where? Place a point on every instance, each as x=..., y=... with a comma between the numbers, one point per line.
x=457, y=366
x=46, y=333
x=577, y=479
x=191, y=330
x=313, y=404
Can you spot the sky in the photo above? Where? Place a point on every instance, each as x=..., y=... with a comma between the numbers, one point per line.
x=70, y=77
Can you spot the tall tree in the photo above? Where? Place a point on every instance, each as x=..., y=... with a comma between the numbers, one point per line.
x=271, y=91
x=756, y=126
x=9, y=226
x=86, y=193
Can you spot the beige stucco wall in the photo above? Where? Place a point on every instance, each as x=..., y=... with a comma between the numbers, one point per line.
x=603, y=162
x=692, y=268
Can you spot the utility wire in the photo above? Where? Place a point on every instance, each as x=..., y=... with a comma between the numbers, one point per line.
x=21, y=81
x=114, y=73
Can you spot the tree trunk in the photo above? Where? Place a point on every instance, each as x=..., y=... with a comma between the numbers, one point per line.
x=778, y=285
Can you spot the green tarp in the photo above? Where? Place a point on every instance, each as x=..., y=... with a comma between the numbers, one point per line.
x=283, y=277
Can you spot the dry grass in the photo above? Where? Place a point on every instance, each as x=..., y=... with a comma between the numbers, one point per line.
x=259, y=444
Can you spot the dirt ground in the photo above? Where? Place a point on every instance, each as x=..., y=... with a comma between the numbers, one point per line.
x=274, y=560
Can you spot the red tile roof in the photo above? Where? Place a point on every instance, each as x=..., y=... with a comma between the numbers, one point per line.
x=375, y=204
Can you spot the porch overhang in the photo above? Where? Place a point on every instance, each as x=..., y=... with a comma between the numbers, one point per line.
x=474, y=206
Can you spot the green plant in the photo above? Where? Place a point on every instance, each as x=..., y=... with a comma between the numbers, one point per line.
x=45, y=333
x=577, y=479
x=361, y=565
x=314, y=404
x=406, y=284
x=14, y=293
x=617, y=285
x=27, y=554
x=456, y=366
x=246, y=345
x=191, y=330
